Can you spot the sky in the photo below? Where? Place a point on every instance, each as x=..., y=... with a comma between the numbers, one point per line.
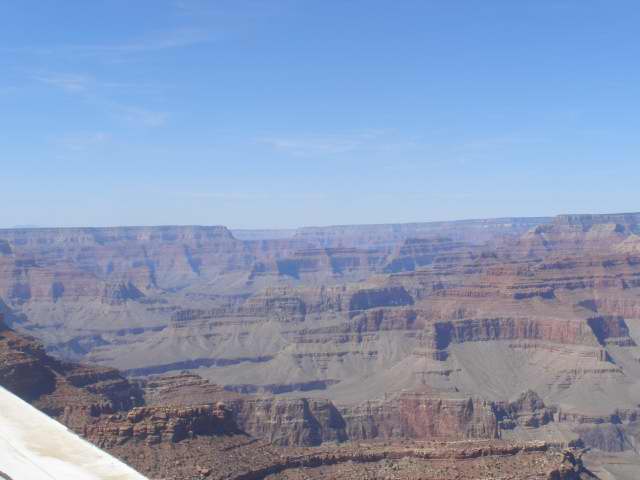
x=287, y=113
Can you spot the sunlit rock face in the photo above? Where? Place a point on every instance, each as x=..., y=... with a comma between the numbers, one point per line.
x=345, y=333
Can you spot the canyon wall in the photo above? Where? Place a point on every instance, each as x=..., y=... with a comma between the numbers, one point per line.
x=337, y=333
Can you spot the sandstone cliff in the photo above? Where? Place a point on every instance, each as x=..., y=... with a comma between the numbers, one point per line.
x=344, y=319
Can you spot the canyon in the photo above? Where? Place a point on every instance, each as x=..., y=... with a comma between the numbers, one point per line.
x=183, y=427
x=322, y=347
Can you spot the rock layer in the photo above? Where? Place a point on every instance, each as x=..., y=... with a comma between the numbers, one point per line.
x=402, y=331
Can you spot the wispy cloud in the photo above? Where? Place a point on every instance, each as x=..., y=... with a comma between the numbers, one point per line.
x=402, y=150
x=172, y=39
x=500, y=142
x=73, y=82
x=310, y=145
x=142, y=117
x=79, y=142
x=69, y=82
x=165, y=41
x=99, y=94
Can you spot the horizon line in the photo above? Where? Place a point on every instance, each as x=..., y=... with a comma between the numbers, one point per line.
x=231, y=229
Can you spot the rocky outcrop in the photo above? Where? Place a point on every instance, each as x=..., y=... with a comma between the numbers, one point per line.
x=421, y=416
x=574, y=332
x=527, y=411
x=117, y=264
x=290, y=421
x=571, y=468
x=606, y=437
x=327, y=261
x=74, y=394
x=630, y=220
x=366, y=299
x=307, y=422
x=420, y=252
x=611, y=330
x=302, y=422
x=25, y=369
x=579, y=233
x=279, y=420
x=162, y=424
x=288, y=305
x=563, y=466
x=117, y=293
x=186, y=389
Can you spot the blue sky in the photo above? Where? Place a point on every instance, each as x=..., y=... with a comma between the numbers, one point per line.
x=284, y=113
